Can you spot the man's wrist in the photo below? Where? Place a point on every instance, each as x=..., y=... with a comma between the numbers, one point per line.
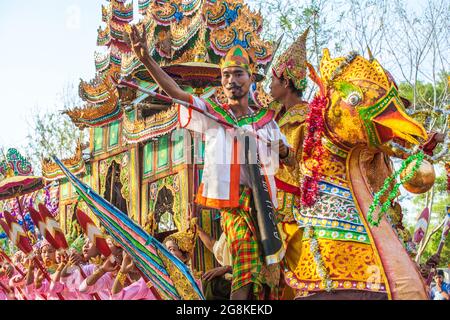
x=147, y=59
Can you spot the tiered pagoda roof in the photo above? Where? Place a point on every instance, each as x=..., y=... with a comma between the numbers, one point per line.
x=76, y=164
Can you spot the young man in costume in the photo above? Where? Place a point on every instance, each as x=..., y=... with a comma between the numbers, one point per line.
x=225, y=182
x=287, y=88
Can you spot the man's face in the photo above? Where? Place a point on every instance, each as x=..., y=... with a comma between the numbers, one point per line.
x=439, y=279
x=278, y=88
x=236, y=82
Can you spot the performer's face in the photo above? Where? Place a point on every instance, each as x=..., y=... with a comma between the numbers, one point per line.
x=89, y=250
x=173, y=248
x=278, y=88
x=60, y=256
x=113, y=246
x=236, y=82
x=48, y=254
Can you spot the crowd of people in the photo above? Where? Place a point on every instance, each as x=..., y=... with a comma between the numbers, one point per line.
x=79, y=273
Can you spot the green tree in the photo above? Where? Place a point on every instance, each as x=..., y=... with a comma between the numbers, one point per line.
x=53, y=133
x=441, y=199
x=291, y=18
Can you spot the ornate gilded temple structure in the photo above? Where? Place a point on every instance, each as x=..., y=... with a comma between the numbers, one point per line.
x=136, y=158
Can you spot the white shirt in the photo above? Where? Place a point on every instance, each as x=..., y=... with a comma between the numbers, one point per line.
x=219, y=188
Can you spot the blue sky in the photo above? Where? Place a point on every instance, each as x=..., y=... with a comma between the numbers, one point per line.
x=45, y=45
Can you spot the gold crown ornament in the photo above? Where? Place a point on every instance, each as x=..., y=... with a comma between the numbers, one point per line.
x=185, y=240
x=292, y=63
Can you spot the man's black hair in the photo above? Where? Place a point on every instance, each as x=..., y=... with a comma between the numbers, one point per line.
x=292, y=87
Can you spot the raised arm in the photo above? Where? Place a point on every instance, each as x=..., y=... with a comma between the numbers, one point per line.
x=30, y=273
x=108, y=266
x=125, y=268
x=165, y=82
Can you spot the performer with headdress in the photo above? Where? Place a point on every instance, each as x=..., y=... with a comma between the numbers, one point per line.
x=182, y=243
x=287, y=88
x=289, y=81
x=75, y=267
x=36, y=284
x=225, y=182
x=97, y=251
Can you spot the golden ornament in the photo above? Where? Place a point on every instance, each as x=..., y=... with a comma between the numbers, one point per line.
x=422, y=180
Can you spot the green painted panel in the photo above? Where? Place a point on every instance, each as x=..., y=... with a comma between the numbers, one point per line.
x=202, y=149
x=148, y=158
x=98, y=139
x=200, y=176
x=178, y=148
x=163, y=151
x=132, y=115
x=114, y=134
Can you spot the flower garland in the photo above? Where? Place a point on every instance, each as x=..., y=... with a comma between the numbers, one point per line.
x=313, y=149
x=320, y=267
x=385, y=206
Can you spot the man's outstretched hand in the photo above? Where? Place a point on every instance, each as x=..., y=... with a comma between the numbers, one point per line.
x=139, y=43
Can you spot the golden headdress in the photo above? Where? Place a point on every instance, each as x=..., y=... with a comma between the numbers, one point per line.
x=185, y=240
x=292, y=63
x=237, y=56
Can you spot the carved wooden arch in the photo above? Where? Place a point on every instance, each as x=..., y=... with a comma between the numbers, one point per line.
x=114, y=187
x=165, y=202
x=104, y=166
